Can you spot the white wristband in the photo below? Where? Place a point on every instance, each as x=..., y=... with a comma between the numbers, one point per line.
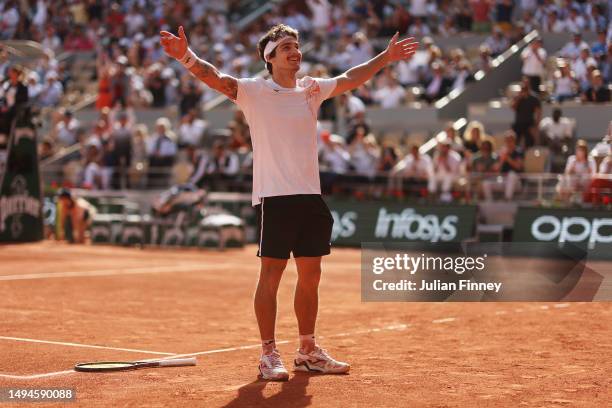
x=189, y=59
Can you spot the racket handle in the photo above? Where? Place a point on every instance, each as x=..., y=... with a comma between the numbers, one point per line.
x=178, y=362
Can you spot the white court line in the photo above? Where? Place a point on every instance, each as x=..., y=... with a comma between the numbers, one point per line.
x=200, y=353
x=445, y=320
x=34, y=376
x=111, y=272
x=252, y=346
x=61, y=343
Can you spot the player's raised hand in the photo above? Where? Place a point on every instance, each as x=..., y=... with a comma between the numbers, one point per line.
x=402, y=49
x=174, y=46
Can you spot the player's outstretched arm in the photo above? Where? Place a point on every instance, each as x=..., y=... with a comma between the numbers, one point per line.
x=178, y=48
x=396, y=51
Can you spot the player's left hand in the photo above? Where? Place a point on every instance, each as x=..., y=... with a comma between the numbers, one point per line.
x=402, y=49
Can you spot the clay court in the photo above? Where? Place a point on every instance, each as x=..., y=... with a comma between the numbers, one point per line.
x=64, y=304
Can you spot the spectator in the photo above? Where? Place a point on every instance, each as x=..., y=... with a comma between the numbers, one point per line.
x=565, y=84
x=66, y=129
x=553, y=24
x=215, y=170
x=603, y=148
x=122, y=140
x=534, y=61
x=105, y=93
x=598, y=92
x=556, y=129
x=527, y=115
x=438, y=86
x=483, y=165
x=192, y=129
x=321, y=10
x=92, y=174
x=13, y=99
x=363, y=152
x=574, y=22
x=388, y=159
x=571, y=50
x=359, y=50
x=161, y=149
x=472, y=137
x=334, y=161
x=503, y=14
x=445, y=170
x=481, y=9
x=391, y=95
x=190, y=97
x=51, y=92
x=120, y=82
x=582, y=66
x=77, y=40
x=598, y=49
x=602, y=182
x=578, y=172
x=485, y=159
x=415, y=168
x=509, y=165
x=497, y=42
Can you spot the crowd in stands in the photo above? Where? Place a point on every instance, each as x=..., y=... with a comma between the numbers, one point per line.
x=132, y=72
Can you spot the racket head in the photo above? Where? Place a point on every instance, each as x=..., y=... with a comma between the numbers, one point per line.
x=106, y=366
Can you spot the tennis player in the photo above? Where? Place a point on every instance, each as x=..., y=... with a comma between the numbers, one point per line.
x=292, y=217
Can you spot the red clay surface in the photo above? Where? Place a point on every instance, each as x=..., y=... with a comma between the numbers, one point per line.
x=187, y=301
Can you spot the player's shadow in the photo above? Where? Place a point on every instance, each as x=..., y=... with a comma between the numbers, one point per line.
x=292, y=394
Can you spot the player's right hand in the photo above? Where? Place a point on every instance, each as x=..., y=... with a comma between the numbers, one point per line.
x=174, y=46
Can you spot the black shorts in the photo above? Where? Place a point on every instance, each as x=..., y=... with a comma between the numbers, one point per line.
x=300, y=223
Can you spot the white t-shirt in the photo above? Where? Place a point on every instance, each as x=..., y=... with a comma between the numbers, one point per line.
x=390, y=97
x=533, y=66
x=283, y=125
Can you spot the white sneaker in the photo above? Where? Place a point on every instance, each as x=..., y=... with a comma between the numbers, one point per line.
x=271, y=367
x=319, y=361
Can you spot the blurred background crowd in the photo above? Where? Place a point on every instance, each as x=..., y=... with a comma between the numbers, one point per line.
x=125, y=71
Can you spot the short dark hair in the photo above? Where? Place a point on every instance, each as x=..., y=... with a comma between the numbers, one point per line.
x=276, y=32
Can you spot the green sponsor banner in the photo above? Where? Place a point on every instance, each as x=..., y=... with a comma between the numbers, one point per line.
x=357, y=222
x=588, y=229
x=21, y=218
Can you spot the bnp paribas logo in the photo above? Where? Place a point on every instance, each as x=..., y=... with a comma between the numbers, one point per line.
x=18, y=203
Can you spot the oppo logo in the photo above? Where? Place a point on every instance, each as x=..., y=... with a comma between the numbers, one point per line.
x=572, y=229
x=410, y=225
x=344, y=226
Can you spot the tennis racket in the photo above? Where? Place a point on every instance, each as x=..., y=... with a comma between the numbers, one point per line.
x=107, y=366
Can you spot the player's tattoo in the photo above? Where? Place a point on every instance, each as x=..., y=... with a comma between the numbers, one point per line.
x=211, y=76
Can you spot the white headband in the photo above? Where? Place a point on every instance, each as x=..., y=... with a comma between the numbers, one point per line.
x=271, y=45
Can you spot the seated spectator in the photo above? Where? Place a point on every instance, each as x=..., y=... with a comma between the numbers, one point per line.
x=571, y=50
x=578, y=172
x=51, y=91
x=481, y=10
x=482, y=165
x=438, y=86
x=509, y=165
x=92, y=173
x=472, y=137
x=598, y=92
x=552, y=23
x=582, y=66
x=161, y=150
x=334, y=161
x=445, y=170
x=391, y=95
x=565, y=84
x=497, y=42
x=556, y=129
x=601, y=185
x=213, y=171
x=45, y=149
x=414, y=168
x=485, y=159
x=363, y=152
x=192, y=129
x=66, y=129
x=599, y=47
x=388, y=159
x=603, y=148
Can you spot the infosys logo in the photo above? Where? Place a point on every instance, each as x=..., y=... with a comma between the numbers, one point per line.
x=416, y=227
x=572, y=229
